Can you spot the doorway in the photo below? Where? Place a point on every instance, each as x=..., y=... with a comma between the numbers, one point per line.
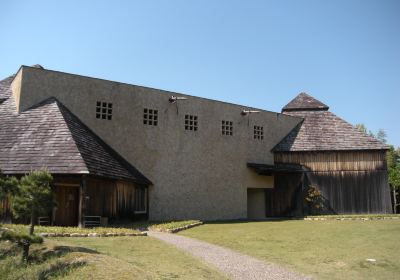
x=255, y=204
x=66, y=213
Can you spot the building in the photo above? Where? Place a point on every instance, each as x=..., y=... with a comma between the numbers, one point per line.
x=346, y=165
x=120, y=150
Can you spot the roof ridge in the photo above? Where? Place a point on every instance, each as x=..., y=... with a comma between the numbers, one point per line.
x=292, y=133
x=124, y=163
x=164, y=91
x=59, y=104
x=11, y=77
x=48, y=101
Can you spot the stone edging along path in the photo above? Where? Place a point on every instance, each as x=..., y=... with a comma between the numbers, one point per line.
x=93, y=234
x=111, y=234
x=347, y=218
x=175, y=230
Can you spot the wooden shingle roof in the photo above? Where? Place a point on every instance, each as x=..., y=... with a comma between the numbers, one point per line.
x=322, y=130
x=49, y=136
x=304, y=102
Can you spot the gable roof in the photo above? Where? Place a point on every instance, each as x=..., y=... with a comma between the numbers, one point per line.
x=49, y=136
x=304, y=102
x=322, y=130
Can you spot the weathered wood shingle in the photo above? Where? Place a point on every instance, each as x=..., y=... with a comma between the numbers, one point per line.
x=322, y=130
x=304, y=102
x=49, y=136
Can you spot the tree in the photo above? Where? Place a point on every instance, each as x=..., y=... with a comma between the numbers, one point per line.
x=364, y=129
x=381, y=135
x=397, y=160
x=23, y=240
x=8, y=185
x=314, y=201
x=393, y=163
x=33, y=197
x=361, y=127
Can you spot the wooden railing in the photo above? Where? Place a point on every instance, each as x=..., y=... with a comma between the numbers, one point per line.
x=92, y=221
x=43, y=221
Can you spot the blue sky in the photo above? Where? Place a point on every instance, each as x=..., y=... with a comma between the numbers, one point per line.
x=255, y=53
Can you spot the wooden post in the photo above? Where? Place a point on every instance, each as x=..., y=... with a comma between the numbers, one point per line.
x=82, y=202
x=147, y=201
x=303, y=177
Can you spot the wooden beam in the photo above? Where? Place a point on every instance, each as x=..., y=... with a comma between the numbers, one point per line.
x=82, y=202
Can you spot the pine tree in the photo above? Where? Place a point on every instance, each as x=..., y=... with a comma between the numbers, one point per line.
x=34, y=197
x=381, y=135
x=8, y=185
x=22, y=239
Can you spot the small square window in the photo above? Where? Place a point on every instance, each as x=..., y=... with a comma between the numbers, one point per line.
x=227, y=128
x=103, y=110
x=150, y=116
x=258, y=132
x=191, y=122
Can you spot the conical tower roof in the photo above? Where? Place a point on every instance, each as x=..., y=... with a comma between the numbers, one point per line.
x=305, y=102
x=322, y=130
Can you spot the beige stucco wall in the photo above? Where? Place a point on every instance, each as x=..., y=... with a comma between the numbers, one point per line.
x=199, y=174
x=16, y=86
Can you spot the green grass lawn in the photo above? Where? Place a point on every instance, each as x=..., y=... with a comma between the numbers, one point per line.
x=103, y=258
x=325, y=249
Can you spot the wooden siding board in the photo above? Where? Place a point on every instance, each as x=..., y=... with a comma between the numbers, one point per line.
x=109, y=198
x=335, y=161
x=358, y=192
x=351, y=182
x=283, y=199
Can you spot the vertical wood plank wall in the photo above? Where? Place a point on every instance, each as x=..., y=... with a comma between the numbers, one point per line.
x=352, y=182
x=112, y=199
x=281, y=200
x=5, y=212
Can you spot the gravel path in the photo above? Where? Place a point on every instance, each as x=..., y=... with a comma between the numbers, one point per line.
x=232, y=264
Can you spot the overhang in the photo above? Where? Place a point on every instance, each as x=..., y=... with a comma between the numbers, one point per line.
x=267, y=169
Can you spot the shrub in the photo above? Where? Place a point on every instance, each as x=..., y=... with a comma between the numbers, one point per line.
x=314, y=200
